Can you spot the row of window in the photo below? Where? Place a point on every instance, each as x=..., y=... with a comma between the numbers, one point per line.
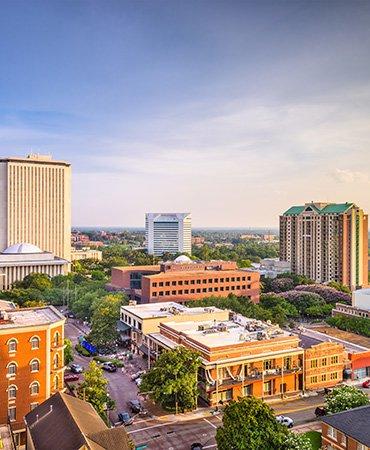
x=324, y=377
x=199, y=290
x=34, y=341
x=13, y=389
x=204, y=281
x=12, y=367
x=324, y=361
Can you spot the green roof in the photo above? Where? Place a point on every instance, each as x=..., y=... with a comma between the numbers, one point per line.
x=331, y=208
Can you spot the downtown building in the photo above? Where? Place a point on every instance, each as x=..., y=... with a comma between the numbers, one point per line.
x=168, y=233
x=326, y=242
x=35, y=213
x=31, y=362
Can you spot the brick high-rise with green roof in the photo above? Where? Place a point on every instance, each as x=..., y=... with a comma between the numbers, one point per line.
x=326, y=242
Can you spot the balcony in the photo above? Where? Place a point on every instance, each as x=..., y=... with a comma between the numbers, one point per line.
x=57, y=369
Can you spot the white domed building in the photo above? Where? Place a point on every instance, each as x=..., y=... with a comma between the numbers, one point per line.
x=19, y=260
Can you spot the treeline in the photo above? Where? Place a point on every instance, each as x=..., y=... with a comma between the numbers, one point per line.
x=358, y=325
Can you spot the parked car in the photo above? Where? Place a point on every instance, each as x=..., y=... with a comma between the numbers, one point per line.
x=196, y=446
x=125, y=418
x=76, y=368
x=71, y=377
x=135, y=406
x=285, y=420
x=137, y=375
x=320, y=411
x=366, y=384
x=109, y=367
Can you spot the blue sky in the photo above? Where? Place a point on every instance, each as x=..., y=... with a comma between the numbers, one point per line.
x=232, y=110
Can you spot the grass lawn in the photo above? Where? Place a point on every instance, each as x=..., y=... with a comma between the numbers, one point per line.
x=315, y=438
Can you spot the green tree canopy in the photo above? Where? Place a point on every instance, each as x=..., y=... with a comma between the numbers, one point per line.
x=94, y=389
x=34, y=280
x=172, y=381
x=68, y=352
x=345, y=397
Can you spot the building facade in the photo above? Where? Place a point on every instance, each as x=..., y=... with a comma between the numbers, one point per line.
x=168, y=233
x=20, y=260
x=32, y=362
x=35, y=203
x=347, y=430
x=326, y=242
x=86, y=253
x=183, y=280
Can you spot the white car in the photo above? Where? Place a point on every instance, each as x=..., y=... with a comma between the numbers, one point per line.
x=138, y=381
x=284, y=420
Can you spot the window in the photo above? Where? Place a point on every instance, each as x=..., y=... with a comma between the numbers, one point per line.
x=34, y=388
x=232, y=278
x=154, y=284
x=216, y=280
x=314, y=379
x=323, y=377
x=221, y=280
x=173, y=283
x=221, y=288
x=180, y=283
x=56, y=382
x=249, y=286
x=324, y=362
x=161, y=283
x=334, y=375
x=33, y=405
x=12, y=368
x=167, y=283
x=243, y=278
x=332, y=433
x=204, y=289
x=313, y=363
x=167, y=292
x=12, y=346
x=204, y=281
x=192, y=281
x=12, y=392
x=173, y=292
x=227, y=280
x=35, y=342
x=56, y=339
x=267, y=387
x=210, y=281
x=180, y=292
x=186, y=282
x=35, y=365
x=192, y=291
x=360, y=446
x=12, y=413
x=154, y=294
x=237, y=278
x=335, y=359
x=199, y=281
x=198, y=291
x=56, y=361
x=210, y=289
x=186, y=291
x=161, y=292
x=233, y=288
x=225, y=395
x=269, y=364
x=227, y=288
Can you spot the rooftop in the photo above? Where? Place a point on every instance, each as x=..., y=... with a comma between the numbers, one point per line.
x=353, y=422
x=212, y=333
x=28, y=317
x=320, y=208
x=165, y=309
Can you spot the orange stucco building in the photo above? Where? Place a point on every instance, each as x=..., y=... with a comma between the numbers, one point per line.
x=31, y=361
x=184, y=280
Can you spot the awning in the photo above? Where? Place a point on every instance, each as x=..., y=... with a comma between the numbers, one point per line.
x=122, y=327
x=144, y=349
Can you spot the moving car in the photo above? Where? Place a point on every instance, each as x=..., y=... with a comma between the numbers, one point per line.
x=76, y=368
x=320, y=411
x=135, y=406
x=71, y=377
x=109, y=367
x=366, y=384
x=125, y=418
x=285, y=420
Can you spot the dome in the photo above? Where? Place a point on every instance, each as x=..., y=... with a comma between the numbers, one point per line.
x=22, y=248
x=183, y=259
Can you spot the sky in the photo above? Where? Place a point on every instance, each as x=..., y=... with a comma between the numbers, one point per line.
x=231, y=110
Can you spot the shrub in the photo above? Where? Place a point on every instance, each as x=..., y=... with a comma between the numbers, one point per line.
x=358, y=325
x=81, y=350
x=103, y=359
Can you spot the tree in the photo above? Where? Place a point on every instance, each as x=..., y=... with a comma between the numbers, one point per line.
x=249, y=424
x=94, y=390
x=68, y=352
x=295, y=441
x=172, y=381
x=104, y=321
x=38, y=281
x=345, y=397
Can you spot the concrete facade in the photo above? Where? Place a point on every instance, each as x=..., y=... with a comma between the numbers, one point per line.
x=35, y=203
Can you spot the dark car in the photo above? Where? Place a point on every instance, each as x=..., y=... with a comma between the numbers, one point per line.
x=135, y=406
x=125, y=418
x=196, y=446
x=71, y=377
x=76, y=368
x=320, y=411
x=109, y=367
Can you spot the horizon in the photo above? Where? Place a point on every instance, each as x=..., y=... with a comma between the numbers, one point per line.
x=232, y=113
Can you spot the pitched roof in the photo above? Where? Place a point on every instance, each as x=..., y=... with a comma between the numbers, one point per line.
x=331, y=208
x=69, y=422
x=353, y=422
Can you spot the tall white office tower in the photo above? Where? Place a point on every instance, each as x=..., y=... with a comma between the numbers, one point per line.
x=168, y=233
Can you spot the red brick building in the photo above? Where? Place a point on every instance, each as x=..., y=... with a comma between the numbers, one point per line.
x=183, y=280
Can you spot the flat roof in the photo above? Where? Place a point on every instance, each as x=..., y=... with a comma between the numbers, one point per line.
x=212, y=333
x=165, y=309
x=34, y=160
x=187, y=273
x=312, y=336
x=28, y=317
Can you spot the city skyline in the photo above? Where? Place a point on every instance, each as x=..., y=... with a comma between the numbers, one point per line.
x=233, y=114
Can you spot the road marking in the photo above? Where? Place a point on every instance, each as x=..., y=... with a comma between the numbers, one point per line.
x=210, y=423
x=287, y=411
x=210, y=446
x=144, y=420
x=219, y=418
x=153, y=426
